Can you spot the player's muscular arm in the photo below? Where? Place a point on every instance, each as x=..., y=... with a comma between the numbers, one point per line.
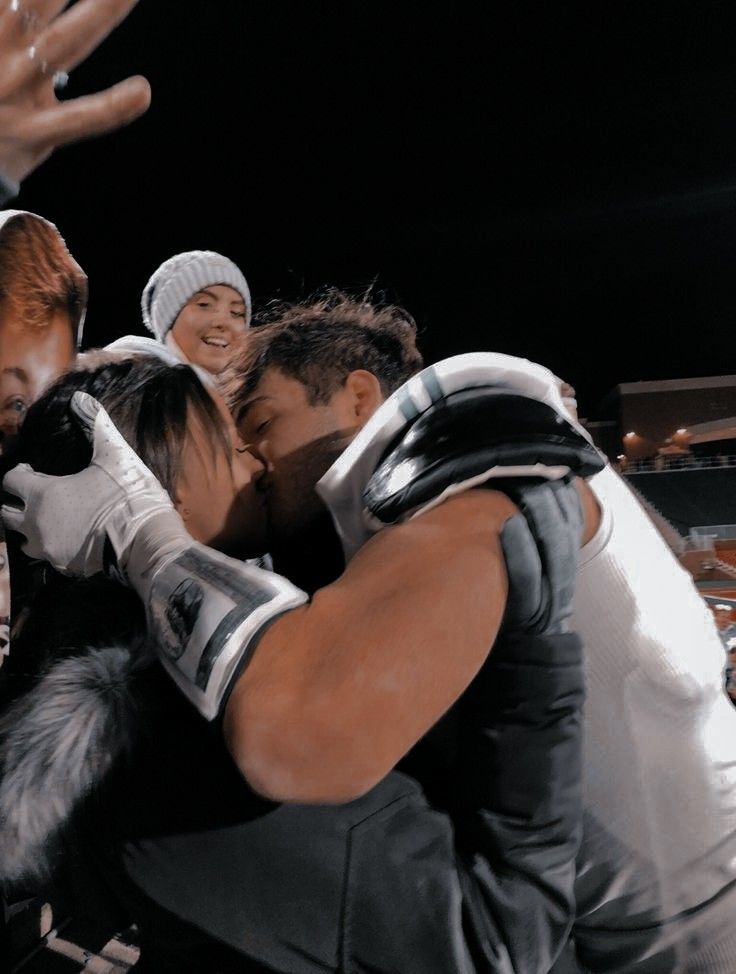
x=339, y=689
x=377, y=657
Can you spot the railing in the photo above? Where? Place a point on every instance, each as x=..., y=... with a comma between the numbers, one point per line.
x=721, y=532
x=660, y=464
x=711, y=564
x=718, y=600
x=700, y=540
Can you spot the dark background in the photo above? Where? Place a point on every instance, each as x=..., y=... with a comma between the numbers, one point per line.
x=550, y=180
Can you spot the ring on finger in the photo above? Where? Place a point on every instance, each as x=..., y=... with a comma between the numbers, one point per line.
x=43, y=66
x=60, y=79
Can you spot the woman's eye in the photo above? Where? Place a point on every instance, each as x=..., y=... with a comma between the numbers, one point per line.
x=17, y=406
x=261, y=426
x=238, y=314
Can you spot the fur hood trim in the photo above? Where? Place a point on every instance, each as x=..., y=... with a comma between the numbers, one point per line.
x=57, y=743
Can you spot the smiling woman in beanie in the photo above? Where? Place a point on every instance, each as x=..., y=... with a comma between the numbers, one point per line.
x=197, y=304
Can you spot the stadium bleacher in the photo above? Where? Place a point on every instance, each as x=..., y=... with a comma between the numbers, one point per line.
x=689, y=498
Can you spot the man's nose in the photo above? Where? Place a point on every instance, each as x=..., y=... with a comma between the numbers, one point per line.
x=221, y=316
x=259, y=457
x=250, y=470
x=257, y=467
x=256, y=462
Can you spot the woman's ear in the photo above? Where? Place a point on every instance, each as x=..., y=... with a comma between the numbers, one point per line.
x=364, y=395
x=180, y=503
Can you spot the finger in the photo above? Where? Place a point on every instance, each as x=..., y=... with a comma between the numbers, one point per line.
x=18, y=482
x=111, y=452
x=86, y=408
x=18, y=70
x=81, y=118
x=75, y=34
x=106, y=439
x=12, y=518
x=45, y=10
x=24, y=18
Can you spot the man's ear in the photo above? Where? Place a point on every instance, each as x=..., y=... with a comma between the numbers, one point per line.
x=364, y=395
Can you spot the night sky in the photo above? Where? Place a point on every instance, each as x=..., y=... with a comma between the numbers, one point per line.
x=550, y=180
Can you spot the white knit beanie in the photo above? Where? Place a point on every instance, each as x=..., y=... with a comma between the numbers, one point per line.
x=179, y=278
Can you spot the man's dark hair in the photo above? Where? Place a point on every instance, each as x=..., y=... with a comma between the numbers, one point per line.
x=320, y=342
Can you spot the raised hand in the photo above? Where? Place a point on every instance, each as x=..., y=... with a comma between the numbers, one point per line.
x=39, y=44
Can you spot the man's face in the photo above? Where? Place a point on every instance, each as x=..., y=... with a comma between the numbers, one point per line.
x=297, y=443
x=216, y=493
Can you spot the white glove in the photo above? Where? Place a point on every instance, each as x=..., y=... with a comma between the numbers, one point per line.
x=67, y=520
x=205, y=611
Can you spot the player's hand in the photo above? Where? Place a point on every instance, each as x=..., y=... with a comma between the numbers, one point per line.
x=86, y=522
x=39, y=45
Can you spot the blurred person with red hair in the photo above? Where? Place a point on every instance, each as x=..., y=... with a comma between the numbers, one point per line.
x=43, y=297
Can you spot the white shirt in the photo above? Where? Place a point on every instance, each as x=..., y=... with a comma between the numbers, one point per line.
x=659, y=760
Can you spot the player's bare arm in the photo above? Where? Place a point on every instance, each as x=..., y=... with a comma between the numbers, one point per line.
x=340, y=689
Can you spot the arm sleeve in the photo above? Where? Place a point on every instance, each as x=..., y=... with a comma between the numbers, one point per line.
x=518, y=825
x=484, y=884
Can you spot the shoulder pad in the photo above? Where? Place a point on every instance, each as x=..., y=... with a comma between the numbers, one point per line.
x=470, y=437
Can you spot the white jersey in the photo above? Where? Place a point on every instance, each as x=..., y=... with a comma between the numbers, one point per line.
x=657, y=869
x=659, y=843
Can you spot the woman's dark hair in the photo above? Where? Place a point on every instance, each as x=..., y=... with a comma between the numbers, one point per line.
x=150, y=403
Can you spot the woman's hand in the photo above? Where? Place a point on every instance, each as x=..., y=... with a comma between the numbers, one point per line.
x=39, y=44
